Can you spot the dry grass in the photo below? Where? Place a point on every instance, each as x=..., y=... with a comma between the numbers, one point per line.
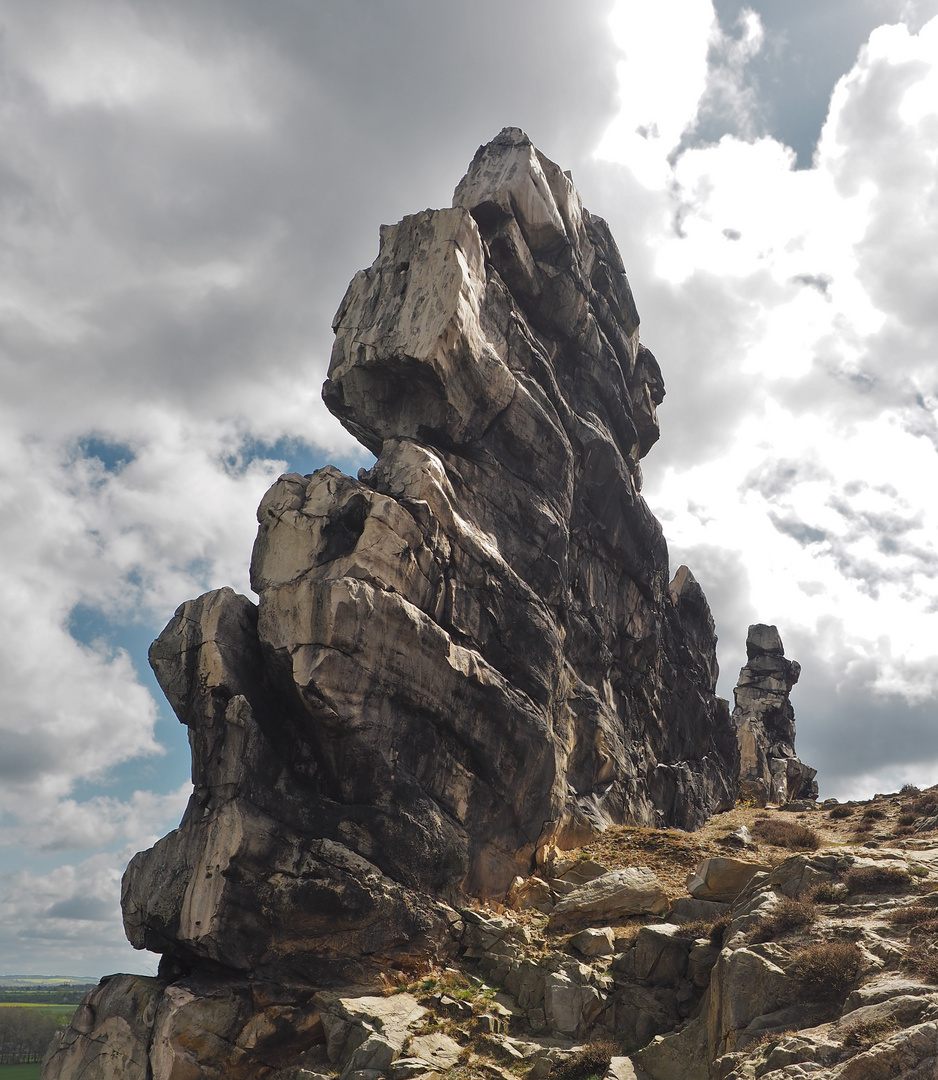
x=912, y=915
x=827, y=970
x=718, y=929
x=591, y=1061
x=866, y=1033
x=922, y=960
x=767, y=1041
x=827, y=892
x=786, y=834
x=926, y=805
x=697, y=928
x=838, y=813
x=878, y=880
x=786, y=915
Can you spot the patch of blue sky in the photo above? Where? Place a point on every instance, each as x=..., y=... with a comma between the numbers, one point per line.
x=300, y=456
x=162, y=773
x=114, y=456
x=39, y=861
x=808, y=46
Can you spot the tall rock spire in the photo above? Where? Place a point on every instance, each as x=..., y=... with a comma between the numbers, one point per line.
x=466, y=658
x=770, y=771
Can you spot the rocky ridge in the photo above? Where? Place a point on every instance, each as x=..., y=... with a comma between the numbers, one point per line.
x=656, y=983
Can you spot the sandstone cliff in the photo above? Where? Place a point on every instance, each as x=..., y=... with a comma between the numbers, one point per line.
x=463, y=661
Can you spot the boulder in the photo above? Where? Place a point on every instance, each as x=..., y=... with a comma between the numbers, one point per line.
x=633, y=890
x=530, y=893
x=570, y=1006
x=594, y=942
x=437, y=1049
x=688, y=909
x=661, y=954
x=109, y=1036
x=722, y=879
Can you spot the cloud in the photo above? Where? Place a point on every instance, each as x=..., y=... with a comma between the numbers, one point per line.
x=66, y=921
x=792, y=312
x=662, y=78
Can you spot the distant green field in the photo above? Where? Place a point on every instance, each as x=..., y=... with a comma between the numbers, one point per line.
x=59, y=1010
x=20, y=1072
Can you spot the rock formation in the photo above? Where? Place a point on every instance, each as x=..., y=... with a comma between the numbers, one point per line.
x=464, y=660
x=770, y=771
x=469, y=655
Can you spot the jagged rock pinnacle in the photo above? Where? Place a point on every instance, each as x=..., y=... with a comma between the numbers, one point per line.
x=770, y=771
x=465, y=659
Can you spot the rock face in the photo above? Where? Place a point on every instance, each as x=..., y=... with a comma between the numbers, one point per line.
x=770, y=771
x=465, y=659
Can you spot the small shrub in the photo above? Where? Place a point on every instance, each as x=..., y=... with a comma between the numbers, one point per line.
x=911, y=915
x=838, y=812
x=904, y=820
x=877, y=879
x=718, y=929
x=786, y=834
x=922, y=959
x=866, y=1033
x=862, y=828
x=926, y=805
x=827, y=892
x=873, y=813
x=786, y=915
x=767, y=1041
x=910, y=789
x=591, y=1060
x=827, y=970
x=697, y=928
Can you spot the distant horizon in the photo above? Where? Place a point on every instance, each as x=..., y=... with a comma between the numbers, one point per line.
x=51, y=978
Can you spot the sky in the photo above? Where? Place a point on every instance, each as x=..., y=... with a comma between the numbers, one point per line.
x=186, y=189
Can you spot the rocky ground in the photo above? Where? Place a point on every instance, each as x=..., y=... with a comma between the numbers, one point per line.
x=823, y=966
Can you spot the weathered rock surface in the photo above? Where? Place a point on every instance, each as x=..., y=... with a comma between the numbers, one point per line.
x=721, y=879
x=728, y=1006
x=770, y=771
x=612, y=897
x=760, y=1019
x=464, y=660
